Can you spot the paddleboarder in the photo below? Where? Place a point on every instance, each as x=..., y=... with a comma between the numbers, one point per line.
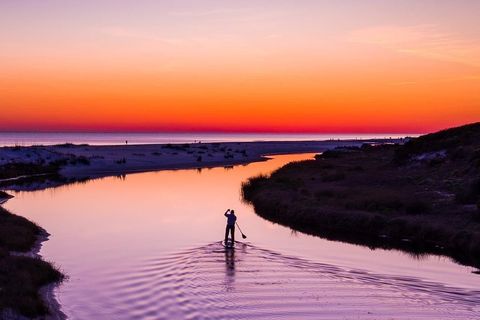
x=230, y=228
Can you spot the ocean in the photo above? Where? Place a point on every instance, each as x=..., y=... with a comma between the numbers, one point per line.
x=95, y=138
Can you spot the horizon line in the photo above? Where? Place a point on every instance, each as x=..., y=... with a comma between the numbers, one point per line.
x=215, y=132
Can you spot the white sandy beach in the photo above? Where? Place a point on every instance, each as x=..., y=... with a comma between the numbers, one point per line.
x=85, y=161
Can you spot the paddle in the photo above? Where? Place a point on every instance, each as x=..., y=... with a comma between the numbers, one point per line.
x=243, y=236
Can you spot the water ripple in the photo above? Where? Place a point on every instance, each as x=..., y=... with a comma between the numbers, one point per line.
x=210, y=282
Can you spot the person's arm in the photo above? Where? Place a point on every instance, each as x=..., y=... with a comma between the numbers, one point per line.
x=226, y=213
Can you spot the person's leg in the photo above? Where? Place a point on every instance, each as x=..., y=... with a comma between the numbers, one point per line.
x=226, y=233
x=233, y=234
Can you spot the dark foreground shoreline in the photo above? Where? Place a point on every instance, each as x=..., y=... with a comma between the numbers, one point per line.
x=421, y=197
x=23, y=274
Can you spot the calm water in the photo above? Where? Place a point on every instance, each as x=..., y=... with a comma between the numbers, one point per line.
x=27, y=138
x=148, y=247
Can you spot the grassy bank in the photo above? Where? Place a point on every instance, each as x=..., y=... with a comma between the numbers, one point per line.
x=422, y=196
x=21, y=277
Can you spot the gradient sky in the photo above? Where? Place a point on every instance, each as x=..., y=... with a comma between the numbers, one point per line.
x=204, y=65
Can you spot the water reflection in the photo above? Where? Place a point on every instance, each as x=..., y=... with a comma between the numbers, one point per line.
x=229, y=269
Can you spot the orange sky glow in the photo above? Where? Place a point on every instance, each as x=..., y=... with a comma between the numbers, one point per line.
x=236, y=66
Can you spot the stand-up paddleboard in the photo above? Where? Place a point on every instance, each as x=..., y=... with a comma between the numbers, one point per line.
x=229, y=244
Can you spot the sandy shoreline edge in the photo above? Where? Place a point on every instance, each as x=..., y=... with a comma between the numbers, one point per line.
x=47, y=292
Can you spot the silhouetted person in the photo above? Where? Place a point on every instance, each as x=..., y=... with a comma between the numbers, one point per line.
x=231, y=220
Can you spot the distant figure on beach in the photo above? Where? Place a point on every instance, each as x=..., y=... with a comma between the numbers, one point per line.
x=231, y=220
x=126, y=141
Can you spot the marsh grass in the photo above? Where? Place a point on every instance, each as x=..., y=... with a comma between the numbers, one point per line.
x=22, y=277
x=385, y=192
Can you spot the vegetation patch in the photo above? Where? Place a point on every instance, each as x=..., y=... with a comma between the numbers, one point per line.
x=21, y=277
x=12, y=170
x=423, y=196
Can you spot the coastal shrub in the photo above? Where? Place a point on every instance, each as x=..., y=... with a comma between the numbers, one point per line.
x=381, y=204
x=121, y=161
x=22, y=277
x=305, y=192
x=82, y=160
x=366, y=146
x=469, y=194
x=178, y=147
x=417, y=207
x=16, y=233
x=251, y=185
x=476, y=154
x=397, y=228
x=458, y=153
x=356, y=168
x=329, y=154
x=325, y=193
x=20, y=280
x=323, y=165
x=288, y=183
x=59, y=162
x=334, y=176
x=11, y=170
x=435, y=161
x=373, y=200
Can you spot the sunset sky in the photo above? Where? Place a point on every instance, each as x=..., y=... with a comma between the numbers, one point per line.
x=269, y=65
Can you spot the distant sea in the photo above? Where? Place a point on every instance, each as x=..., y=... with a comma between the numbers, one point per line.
x=44, y=138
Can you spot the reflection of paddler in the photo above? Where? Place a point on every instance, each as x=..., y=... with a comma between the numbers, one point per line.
x=230, y=228
x=229, y=269
x=230, y=262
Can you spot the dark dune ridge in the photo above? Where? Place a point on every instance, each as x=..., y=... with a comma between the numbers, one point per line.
x=422, y=196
